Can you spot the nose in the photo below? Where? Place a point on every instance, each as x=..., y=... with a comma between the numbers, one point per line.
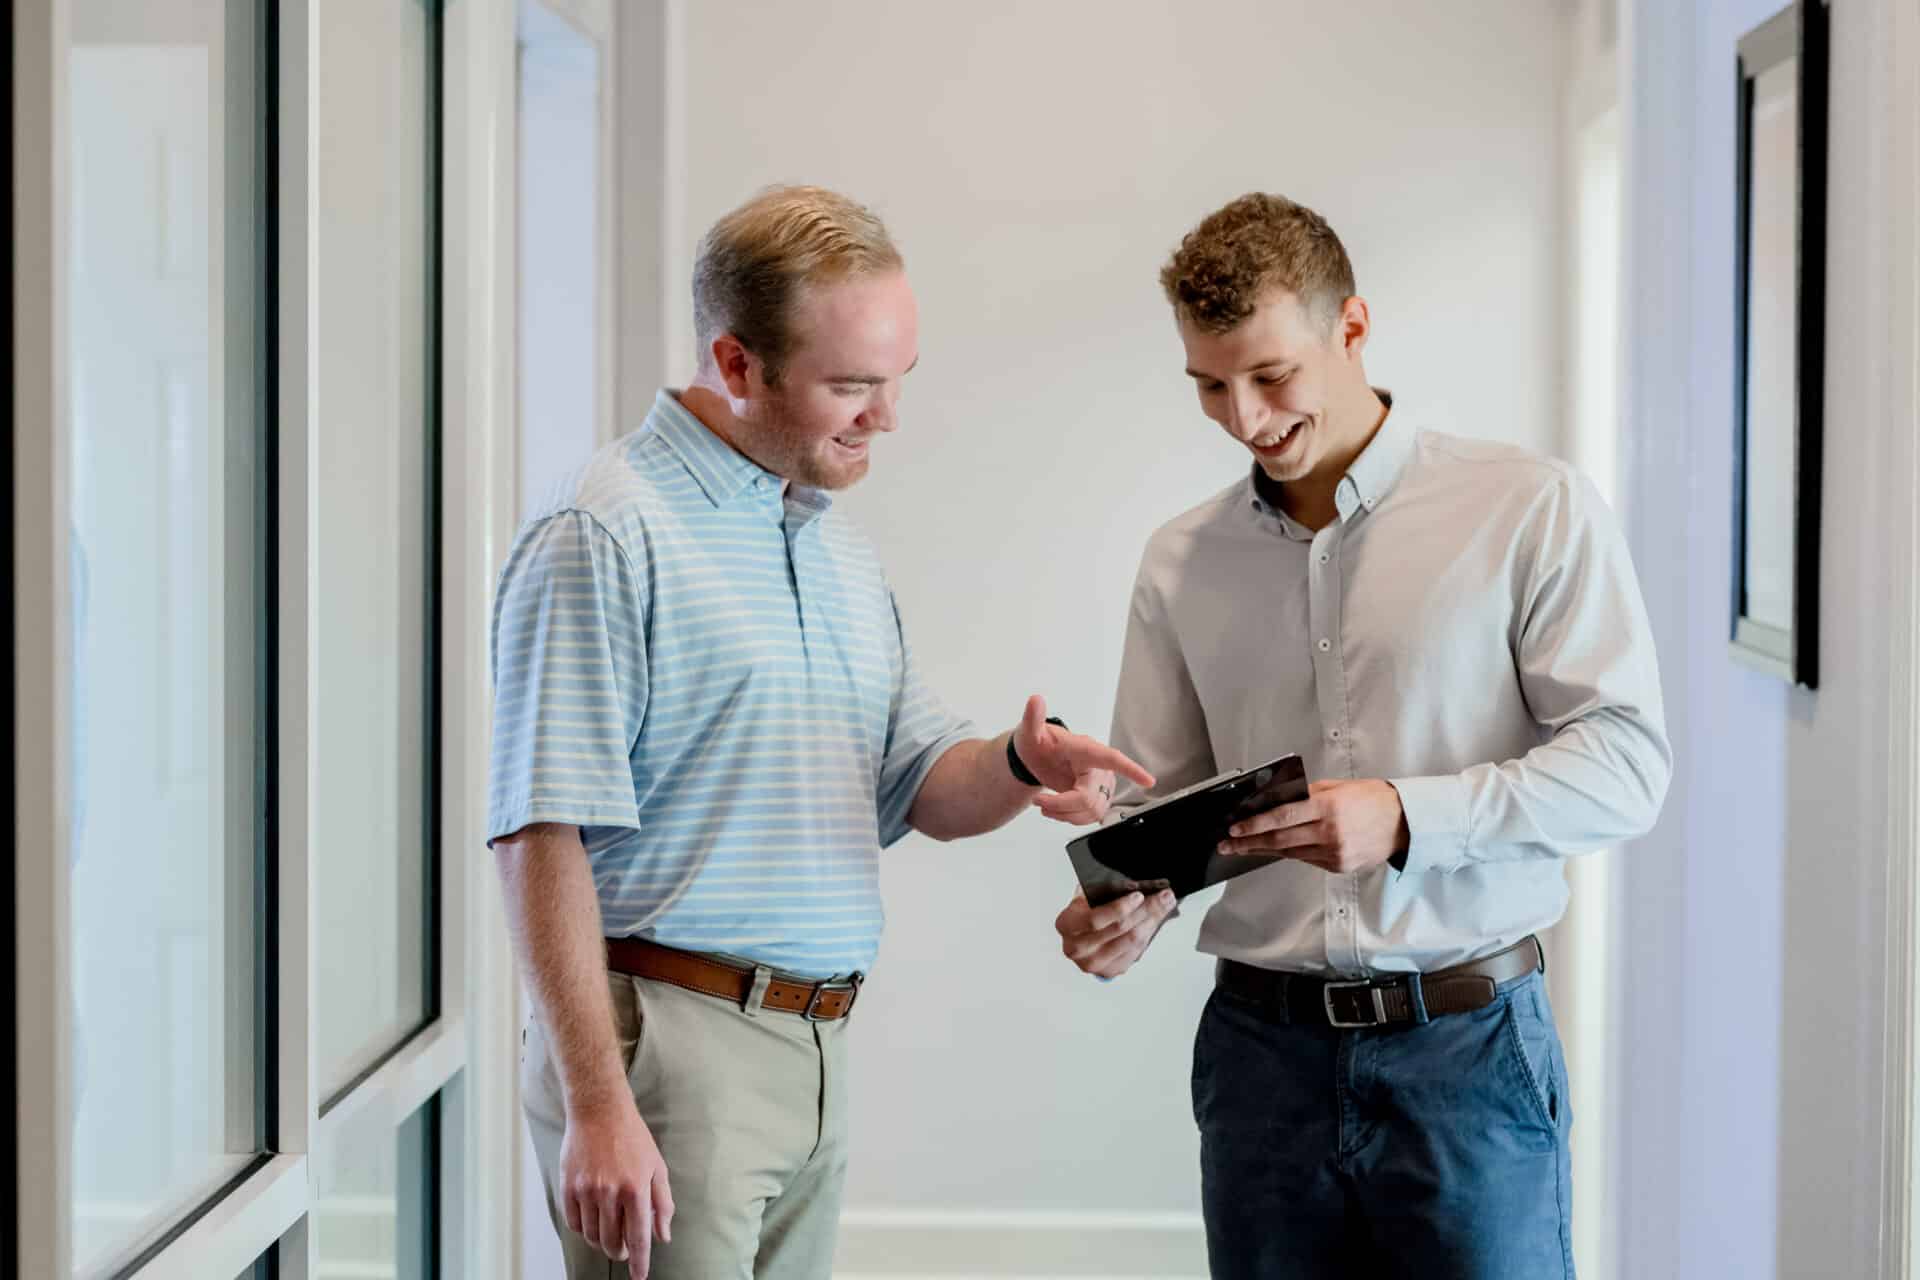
x=880, y=413
x=1246, y=415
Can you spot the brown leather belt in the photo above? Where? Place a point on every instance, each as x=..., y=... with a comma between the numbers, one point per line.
x=814, y=1001
x=1309, y=1000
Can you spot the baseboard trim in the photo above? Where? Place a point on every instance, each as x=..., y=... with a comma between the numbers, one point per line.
x=1035, y=1244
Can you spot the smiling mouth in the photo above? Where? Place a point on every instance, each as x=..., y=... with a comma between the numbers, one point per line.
x=851, y=446
x=1275, y=447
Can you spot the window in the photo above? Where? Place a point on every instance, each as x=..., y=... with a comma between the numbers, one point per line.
x=374, y=537
x=232, y=1028
x=376, y=1198
x=169, y=421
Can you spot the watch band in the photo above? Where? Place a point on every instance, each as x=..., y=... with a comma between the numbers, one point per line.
x=1018, y=767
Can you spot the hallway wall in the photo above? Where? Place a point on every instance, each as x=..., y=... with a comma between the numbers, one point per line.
x=1754, y=986
x=1037, y=163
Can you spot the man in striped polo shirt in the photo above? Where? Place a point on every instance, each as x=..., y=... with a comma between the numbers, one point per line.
x=707, y=725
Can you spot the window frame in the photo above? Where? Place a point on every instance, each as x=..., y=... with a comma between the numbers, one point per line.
x=460, y=1060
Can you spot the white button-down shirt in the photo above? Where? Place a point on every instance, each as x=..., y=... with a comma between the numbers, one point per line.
x=1469, y=628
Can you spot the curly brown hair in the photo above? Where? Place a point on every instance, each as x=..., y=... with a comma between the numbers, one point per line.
x=753, y=262
x=1226, y=266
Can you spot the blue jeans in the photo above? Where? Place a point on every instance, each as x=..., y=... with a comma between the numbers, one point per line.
x=1436, y=1150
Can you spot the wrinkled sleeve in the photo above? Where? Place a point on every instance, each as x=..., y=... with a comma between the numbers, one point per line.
x=1585, y=659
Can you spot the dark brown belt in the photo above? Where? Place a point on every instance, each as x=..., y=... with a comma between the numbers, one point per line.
x=814, y=1001
x=1308, y=1000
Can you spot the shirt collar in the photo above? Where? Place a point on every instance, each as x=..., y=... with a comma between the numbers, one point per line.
x=1367, y=482
x=1374, y=473
x=723, y=472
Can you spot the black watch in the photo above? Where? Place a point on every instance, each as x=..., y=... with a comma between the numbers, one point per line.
x=1017, y=766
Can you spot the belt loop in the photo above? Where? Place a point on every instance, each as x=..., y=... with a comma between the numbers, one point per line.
x=1286, y=999
x=756, y=997
x=1417, y=1000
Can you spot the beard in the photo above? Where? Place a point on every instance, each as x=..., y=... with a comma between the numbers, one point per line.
x=789, y=447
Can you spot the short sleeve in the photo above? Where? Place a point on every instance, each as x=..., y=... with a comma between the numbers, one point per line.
x=920, y=729
x=570, y=679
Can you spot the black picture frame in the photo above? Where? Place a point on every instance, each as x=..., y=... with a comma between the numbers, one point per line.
x=1775, y=623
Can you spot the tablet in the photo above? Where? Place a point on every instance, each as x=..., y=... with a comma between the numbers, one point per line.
x=1173, y=842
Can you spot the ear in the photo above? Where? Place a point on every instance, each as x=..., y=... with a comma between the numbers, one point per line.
x=739, y=368
x=1353, y=327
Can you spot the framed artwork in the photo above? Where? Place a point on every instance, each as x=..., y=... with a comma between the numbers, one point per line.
x=1780, y=330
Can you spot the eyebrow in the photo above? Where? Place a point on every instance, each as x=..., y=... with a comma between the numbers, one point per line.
x=870, y=379
x=1252, y=368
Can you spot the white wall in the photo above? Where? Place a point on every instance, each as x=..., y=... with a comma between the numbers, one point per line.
x=1753, y=993
x=1037, y=163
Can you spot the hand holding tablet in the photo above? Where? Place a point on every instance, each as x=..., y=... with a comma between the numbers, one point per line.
x=1173, y=843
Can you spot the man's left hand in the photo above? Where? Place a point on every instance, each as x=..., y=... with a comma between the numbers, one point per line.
x=1077, y=771
x=1340, y=827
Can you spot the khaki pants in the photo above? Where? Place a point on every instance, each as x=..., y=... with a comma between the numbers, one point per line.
x=749, y=1110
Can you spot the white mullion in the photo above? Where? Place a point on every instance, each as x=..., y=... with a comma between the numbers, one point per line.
x=404, y=1082
x=298, y=437
x=43, y=1023
x=238, y=1230
x=1902, y=362
x=455, y=643
x=480, y=1194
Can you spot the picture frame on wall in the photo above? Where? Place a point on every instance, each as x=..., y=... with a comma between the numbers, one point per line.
x=1779, y=341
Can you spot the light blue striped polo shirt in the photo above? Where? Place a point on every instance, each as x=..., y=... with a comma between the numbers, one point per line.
x=710, y=679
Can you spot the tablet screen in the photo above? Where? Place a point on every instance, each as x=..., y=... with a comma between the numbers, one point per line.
x=1173, y=843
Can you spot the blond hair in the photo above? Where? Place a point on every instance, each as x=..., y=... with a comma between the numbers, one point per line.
x=1227, y=265
x=753, y=262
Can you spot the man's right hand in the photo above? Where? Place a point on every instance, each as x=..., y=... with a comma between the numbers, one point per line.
x=614, y=1183
x=1105, y=940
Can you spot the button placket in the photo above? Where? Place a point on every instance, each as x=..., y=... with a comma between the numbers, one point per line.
x=1342, y=899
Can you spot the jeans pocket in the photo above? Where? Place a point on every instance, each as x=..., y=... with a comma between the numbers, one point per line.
x=1535, y=1048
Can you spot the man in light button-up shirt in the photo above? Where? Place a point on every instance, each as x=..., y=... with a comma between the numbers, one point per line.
x=1450, y=634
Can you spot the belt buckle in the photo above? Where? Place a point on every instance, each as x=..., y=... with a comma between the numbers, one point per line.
x=849, y=985
x=1335, y=1020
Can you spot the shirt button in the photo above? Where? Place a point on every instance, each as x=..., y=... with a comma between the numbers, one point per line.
x=1334, y=734
x=1325, y=645
x=1324, y=557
